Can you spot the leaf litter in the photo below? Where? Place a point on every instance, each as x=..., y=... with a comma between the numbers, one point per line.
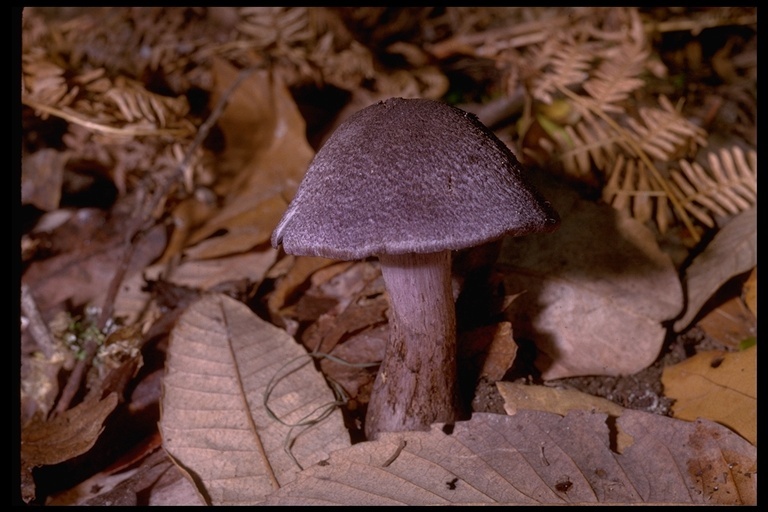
x=199, y=189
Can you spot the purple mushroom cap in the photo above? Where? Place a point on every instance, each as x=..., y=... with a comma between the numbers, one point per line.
x=410, y=176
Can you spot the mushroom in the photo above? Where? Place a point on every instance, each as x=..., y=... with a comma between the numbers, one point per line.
x=409, y=181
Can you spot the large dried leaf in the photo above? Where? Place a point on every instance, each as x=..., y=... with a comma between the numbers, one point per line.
x=716, y=385
x=594, y=293
x=266, y=154
x=537, y=458
x=221, y=360
x=66, y=436
x=732, y=251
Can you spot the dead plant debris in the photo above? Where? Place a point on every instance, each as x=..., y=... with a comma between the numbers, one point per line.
x=161, y=145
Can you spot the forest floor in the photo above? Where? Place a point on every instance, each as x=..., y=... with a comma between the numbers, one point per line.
x=161, y=146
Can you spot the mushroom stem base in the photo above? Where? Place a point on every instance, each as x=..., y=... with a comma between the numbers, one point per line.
x=416, y=383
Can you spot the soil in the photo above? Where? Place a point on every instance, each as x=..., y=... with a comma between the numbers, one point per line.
x=640, y=391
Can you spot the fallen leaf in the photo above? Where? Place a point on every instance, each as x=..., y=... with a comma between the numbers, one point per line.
x=102, y=482
x=594, y=293
x=559, y=401
x=185, y=217
x=491, y=348
x=221, y=360
x=156, y=481
x=83, y=276
x=359, y=303
x=296, y=275
x=68, y=435
x=355, y=361
x=266, y=156
x=732, y=251
x=240, y=228
x=207, y=274
x=720, y=386
x=133, y=301
x=72, y=433
x=729, y=323
x=536, y=458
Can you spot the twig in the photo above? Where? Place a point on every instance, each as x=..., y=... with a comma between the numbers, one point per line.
x=395, y=455
x=73, y=382
x=695, y=26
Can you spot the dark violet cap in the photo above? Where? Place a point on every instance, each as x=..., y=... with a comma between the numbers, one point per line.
x=410, y=176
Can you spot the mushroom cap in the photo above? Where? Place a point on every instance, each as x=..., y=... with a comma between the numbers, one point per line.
x=410, y=176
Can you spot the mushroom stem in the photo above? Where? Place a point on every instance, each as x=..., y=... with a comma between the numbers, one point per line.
x=416, y=383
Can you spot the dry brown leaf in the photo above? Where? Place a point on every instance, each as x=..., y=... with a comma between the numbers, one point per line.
x=357, y=303
x=732, y=251
x=730, y=323
x=154, y=480
x=720, y=386
x=243, y=224
x=207, y=274
x=221, y=359
x=594, y=293
x=360, y=351
x=559, y=401
x=83, y=275
x=491, y=348
x=296, y=275
x=66, y=436
x=536, y=458
x=265, y=157
x=186, y=216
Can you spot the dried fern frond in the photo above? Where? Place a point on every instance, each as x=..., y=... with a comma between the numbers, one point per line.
x=664, y=133
x=630, y=189
x=697, y=19
x=586, y=147
x=726, y=187
x=43, y=80
x=617, y=76
x=137, y=105
x=493, y=32
x=568, y=65
x=122, y=109
x=275, y=26
x=345, y=67
x=136, y=42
